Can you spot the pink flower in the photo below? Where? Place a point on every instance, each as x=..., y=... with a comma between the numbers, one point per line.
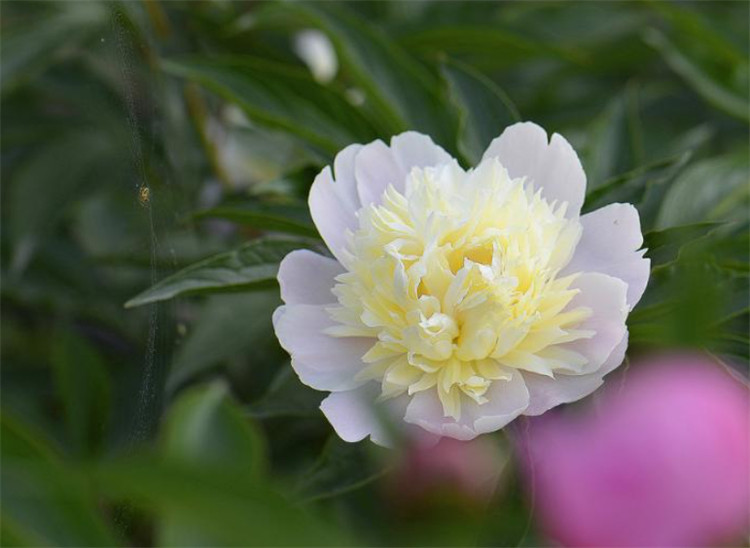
x=663, y=461
x=467, y=472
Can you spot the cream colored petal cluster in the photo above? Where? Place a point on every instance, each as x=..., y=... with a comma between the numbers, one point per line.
x=457, y=299
x=458, y=280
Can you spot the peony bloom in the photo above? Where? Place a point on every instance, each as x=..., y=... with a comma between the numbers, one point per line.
x=661, y=461
x=458, y=299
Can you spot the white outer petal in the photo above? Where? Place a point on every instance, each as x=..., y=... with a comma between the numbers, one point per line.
x=343, y=170
x=321, y=362
x=331, y=211
x=351, y=413
x=375, y=169
x=412, y=149
x=546, y=393
x=606, y=297
x=307, y=278
x=552, y=166
x=355, y=414
x=610, y=244
x=507, y=400
x=377, y=165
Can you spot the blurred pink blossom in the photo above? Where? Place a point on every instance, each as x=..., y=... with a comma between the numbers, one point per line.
x=466, y=471
x=662, y=460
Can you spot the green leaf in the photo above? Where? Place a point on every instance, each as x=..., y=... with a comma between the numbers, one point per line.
x=715, y=189
x=403, y=94
x=84, y=387
x=634, y=185
x=484, y=109
x=25, y=442
x=691, y=301
x=691, y=26
x=709, y=89
x=230, y=328
x=29, y=50
x=294, y=184
x=287, y=397
x=204, y=427
x=227, y=509
x=43, y=501
x=664, y=245
x=250, y=267
x=40, y=190
x=341, y=468
x=614, y=143
x=288, y=218
x=490, y=47
x=732, y=250
x=280, y=96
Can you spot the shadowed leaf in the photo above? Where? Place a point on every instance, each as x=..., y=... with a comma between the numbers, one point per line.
x=252, y=266
x=281, y=97
x=485, y=109
x=291, y=219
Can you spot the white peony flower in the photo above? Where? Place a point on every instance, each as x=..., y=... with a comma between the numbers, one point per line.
x=458, y=300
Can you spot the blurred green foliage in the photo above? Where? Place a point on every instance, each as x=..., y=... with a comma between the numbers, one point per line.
x=159, y=153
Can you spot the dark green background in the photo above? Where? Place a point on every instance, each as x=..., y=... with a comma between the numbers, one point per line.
x=177, y=420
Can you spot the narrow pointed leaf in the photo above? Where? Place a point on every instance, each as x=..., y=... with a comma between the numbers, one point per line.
x=403, y=93
x=252, y=266
x=288, y=218
x=484, y=108
x=714, y=93
x=341, y=468
x=664, y=245
x=281, y=97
